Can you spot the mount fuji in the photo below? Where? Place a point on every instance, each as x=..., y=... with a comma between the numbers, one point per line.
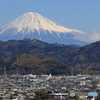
x=34, y=26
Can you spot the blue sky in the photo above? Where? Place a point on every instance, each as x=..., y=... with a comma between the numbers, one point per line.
x=83, y=15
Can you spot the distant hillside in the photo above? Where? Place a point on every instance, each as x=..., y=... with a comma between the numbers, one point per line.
x=87, y=57
x=27, y=64
x=12, y=48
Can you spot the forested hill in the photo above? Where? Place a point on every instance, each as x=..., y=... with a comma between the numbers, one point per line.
x=12, y=48
x=87, y=57
x=26, y=64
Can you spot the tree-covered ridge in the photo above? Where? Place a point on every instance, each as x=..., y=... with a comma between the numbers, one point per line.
x=87, y=57
x=12, y=48
x=27, y=64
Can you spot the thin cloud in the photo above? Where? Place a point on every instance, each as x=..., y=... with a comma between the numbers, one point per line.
x=89, y=37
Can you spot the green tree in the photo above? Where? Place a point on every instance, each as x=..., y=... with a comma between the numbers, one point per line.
x=42, y=95
x=76, y=97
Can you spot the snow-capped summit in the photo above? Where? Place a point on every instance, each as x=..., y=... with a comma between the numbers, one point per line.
x=34, y=26
x=30, y=22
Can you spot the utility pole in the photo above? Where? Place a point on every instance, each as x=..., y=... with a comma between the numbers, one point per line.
x=17, y=66
x=5, y=74
x=71, y=71
x=17, y=71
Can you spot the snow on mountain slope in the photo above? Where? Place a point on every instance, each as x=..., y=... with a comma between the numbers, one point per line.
x=34, y=26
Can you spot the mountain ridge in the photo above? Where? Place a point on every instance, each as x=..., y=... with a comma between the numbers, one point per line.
x=27, y=64
x=86, y=57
